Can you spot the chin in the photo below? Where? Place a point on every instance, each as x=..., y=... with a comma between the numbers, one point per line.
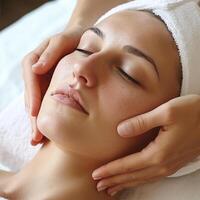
x=62, y=125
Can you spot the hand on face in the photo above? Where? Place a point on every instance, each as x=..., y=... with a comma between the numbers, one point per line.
x=42, y=61
x=177, y=143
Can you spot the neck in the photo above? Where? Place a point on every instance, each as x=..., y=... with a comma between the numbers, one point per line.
x=54, y=174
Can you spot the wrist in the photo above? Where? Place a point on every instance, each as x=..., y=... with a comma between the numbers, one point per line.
x=81, y=21
x=75, y=27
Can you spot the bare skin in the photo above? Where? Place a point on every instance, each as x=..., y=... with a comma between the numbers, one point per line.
x=52, y=180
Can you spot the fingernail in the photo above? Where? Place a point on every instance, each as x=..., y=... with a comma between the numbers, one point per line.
x=123, y=129
x=38, y=64
x=113, y=193
x=96, y=175
x=101, y=188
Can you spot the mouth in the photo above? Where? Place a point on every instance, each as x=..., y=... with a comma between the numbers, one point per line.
x=69, y=97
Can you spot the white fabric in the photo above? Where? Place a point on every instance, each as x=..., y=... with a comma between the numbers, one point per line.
x=182, y=18
x=15, y=134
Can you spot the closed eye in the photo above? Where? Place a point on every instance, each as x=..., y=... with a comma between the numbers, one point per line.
x=124, y=74
x=128, y=77
x=84, y=51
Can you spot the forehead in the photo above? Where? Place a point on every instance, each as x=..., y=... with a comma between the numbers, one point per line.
x=144, y=31
x=139, y=27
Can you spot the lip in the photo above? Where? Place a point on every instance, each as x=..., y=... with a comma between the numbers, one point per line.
x=70, y=97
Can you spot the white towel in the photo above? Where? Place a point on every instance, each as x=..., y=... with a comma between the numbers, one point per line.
x=15, y=135
x=182, y=17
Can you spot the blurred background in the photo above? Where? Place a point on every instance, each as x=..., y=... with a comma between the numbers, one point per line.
x=11, y=10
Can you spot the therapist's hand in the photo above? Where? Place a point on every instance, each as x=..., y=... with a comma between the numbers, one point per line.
x=177, y=143
x=38, y=67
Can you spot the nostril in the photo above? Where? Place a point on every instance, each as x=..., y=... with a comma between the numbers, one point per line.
x=79, y=78
x=83, y=79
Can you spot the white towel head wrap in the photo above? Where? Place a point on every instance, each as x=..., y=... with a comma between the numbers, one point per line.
x=182, y=18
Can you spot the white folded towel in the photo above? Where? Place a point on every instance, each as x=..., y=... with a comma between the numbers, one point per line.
x=182, y=18
x=15, y=135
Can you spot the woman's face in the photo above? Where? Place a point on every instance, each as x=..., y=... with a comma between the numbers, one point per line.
x=125, y=66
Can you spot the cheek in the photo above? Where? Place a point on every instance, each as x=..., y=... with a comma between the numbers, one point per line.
x=117, y=102
x=120, y=101
x=64, y=69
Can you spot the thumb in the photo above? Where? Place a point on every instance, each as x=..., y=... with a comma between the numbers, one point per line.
x=141, y=123
x=49, y=58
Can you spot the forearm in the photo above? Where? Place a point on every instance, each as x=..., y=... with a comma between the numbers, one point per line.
x=87, y=12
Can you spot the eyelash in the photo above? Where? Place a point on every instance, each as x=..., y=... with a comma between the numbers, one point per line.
x=84, y=51
x=129, y=78
x=124, y=74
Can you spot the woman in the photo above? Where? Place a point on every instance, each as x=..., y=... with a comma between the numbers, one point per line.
x=51, y=50
x=82, y=106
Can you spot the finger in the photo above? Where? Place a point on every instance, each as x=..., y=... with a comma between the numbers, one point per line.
x=36, y=135
x=42, y=141
x=37, y=139
x=35, y=97
x=135, y=178
x=33, y=124
x=123, y=165
x=116, y=189
x=142, y=123
x=39, y=51
x=33, y=143
x=148, y=173
x=32, y=84
x=27, y=107
x=51, y=55
x=34, y=94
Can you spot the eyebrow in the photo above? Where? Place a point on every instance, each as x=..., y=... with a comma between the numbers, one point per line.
x=97, y=31
x=128, y=48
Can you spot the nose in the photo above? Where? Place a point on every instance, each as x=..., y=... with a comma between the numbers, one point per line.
x=85, y=72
